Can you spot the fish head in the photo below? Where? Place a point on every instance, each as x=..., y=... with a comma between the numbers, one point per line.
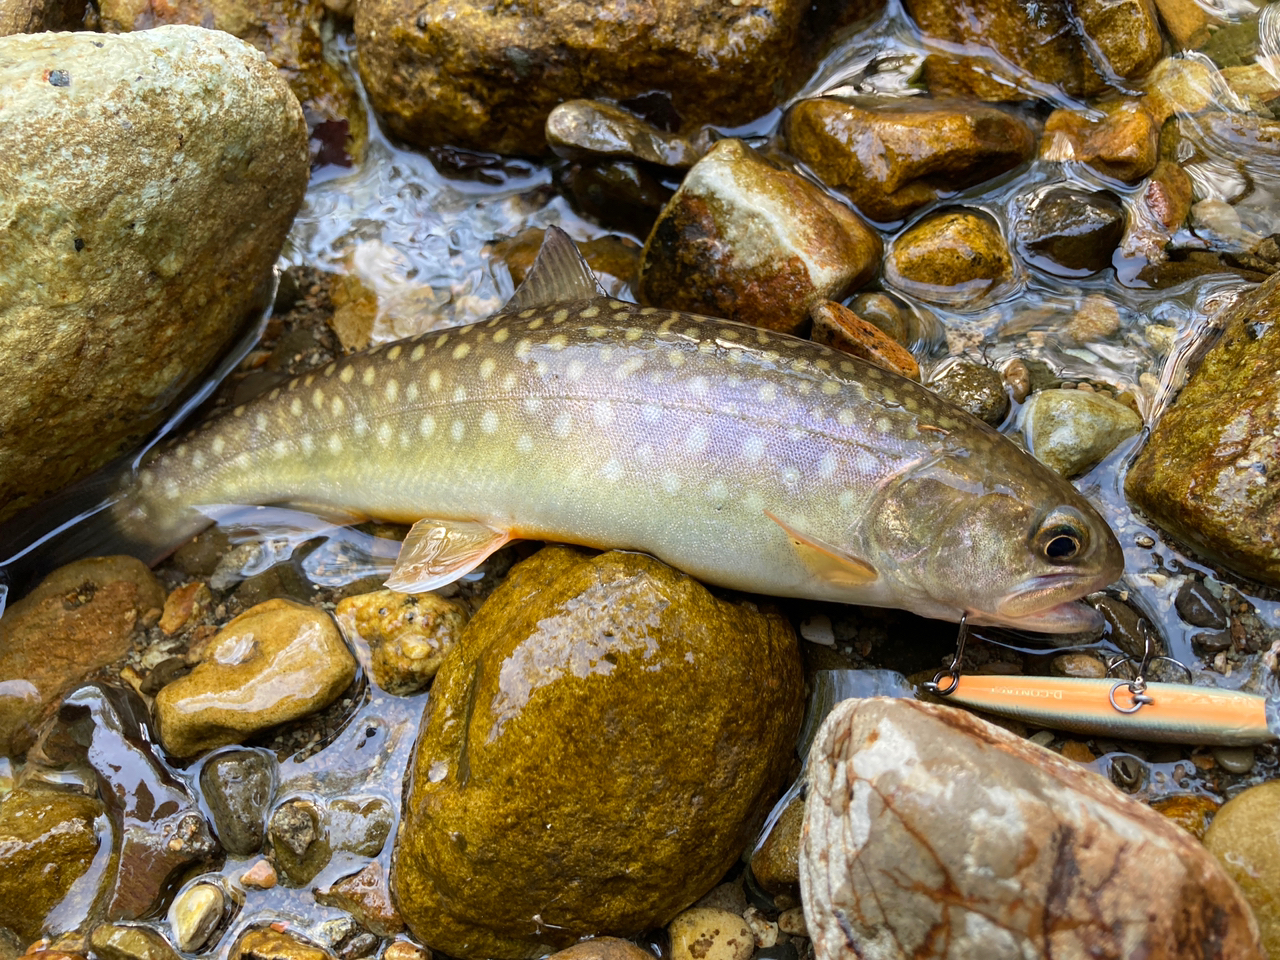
x=990, y=532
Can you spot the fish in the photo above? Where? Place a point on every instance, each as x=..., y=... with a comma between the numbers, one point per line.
x=749, y=459
x=1176, y=713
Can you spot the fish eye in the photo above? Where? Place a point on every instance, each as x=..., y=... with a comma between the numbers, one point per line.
x=1063, y=536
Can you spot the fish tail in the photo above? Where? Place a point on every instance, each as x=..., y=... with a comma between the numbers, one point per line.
x=83, y=520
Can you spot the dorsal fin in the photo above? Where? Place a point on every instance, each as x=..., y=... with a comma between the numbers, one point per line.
x=558, y=273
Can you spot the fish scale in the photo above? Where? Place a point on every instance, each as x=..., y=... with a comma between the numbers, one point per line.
x=747, y=458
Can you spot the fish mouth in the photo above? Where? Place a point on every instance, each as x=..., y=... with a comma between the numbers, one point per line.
x=1051, y=604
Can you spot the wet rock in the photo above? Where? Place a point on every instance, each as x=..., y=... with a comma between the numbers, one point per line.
x=78, y=619
x=48, y=841
x=274, y=663
x=185, y=605
x=620, y=195
x=408, y=635
x=160, y=831
x=1070, y=431
x=299, y=842
x=405, y=950
x=705, y=933
x=238, y=787
x=594, y=129
x=267, y=943
x=1243, y=838
x=1167, y=196
x=113, y=297
x=1123, y=144
x=290, y=35
x=776, y=862
x=1078, y=665
x=1192, y=813
x=1198, y=607
x=593, y=722
x=1097, y=318
x=974, y=388
x=1028, y=855
x=118, y=941
x=880, y=310
x=838, y=326
x=954, y=258
x=1212, y=641
x=1125, y=627
x=1207, y=473
x=1069, y=232
x=602, y=948
x=359, y=825
x=367, y=897
x=1186, y=22
x=1235, y=759
x=746, y=241
x=195, y=914
x=451, y=72
x=37, y=16
x=261, y=876
x=891, y=156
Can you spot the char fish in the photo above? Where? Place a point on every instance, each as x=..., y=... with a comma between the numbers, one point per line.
x=746, y=458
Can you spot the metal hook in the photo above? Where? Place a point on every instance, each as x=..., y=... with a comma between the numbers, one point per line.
x=934, y=686
x=1138, y=685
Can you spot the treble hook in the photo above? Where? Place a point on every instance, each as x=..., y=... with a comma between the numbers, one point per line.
x=1138, y=685
x=953, y=671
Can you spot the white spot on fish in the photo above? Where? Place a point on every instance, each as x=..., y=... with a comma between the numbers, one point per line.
x=629, y=366
x=830, y=387
x=274, y=394
x=394, y=352
x=612, y=470
x=309, y=379
x=753, y=503
x=597, y=331
x=369, y=376
x=509, y=382
x=634, y=333
x=219, y=445
x=532, y=404
x=260, y=421
x=534, y=324
x=337, y=406
x=171, y=489
x=419, y=352
x=524, y=348
x=558, y=342
x=411, y=391
x=524, y=443
x=427, y=425
x=391, y=390
x=718, y=491
x=562, y=424
x=347, y=373
x=359, y=425
x=696, y=440
x=458, y=430
x=753, y=448
x=489, y=422
x=602, y=413
x=526, y=314
x=827, y=465
x=675, y=358
x=459, y=394
x=590, y=312
x=461, y=350
x=575, y=369
x=197, y=461
x=560, y=316
x=767, y=393
x=644, y=453
x=823, y=365
x=671, y=483
x=307, y=442
x=335, y=443
x=770, y=356
x=500, y=336
x=280, y=448
x=442, y=340
x=146, y=478
x=805, y=388
x=487, y=366
x=434, y=380
x=847, y=367
x=384, y=432
x=648, y=311
x=651, y=413
x=845, y=417
x=317, y=399
x=846, y=500
x=882, y=424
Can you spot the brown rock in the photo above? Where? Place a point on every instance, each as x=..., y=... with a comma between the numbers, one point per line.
x=460, y=72
x=604, y=719
x=1122, y=145
x=408, y=635
x=891, y=156
x=1207, y=472
x=931, y=832
x=955, y=258
x=367, y=897
x=267, y=943
x=274, y=663
x=705, y=933
x=1243, y=837
x=119, y=941
x=594, y=129
x=1192, y=813
x=838, y=326
x=776, y=862
x=746, y=241
x=1123, y=36
x=185, y=605
x=602, y=948
x=37, y=16
x=79, y=619
x=114, y=297
x=1186, y=21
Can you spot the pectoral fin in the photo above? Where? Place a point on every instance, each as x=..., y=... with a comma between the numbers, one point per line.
x=827, y=562
x=437, y=552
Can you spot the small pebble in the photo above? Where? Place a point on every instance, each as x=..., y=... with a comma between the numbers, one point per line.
x=1078, y=665
x=762, y=928
x=726, y=896
x=817, y=629
x=792, y=922
x=195, y=914
x=404, y=950
x=1078, y=751
x=705, y=933
x=1212, y=641
x=1234, y=759
x=1144, y=541
x=1198, y=607
x=1042, y=738
x=261, y=876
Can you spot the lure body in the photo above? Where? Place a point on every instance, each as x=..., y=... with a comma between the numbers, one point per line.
x=1177, y=713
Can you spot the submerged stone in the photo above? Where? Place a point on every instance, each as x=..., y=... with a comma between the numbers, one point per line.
x=408, y=635
x=597, y=751
x=955, y=258
x=1243, y=837
x=1070, y=431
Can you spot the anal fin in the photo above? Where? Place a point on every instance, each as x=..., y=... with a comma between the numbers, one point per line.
x=437, y=552
x=829, y=563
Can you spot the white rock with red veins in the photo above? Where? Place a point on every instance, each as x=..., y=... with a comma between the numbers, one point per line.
x=932, y=833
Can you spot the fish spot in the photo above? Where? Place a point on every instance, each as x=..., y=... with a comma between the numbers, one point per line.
x=394, y=352
x=146, y=478
x=307, y=443
x=575, y=369
x=384, y=432
x=612, y=470
x=541, y=368
x=753, y=448
x=695, y=440
x=461, y=350
x=487, y=366
x=459, y=394
x=883, y=425
x=418, y=352
x=427, y=425
x=699, y=386
x=648, y=311
x=618, y=306
x=845, y=417
x=823, y=365
x=524, y=348
x=651, y=413
x=347, y=373
x=889, y=397
x=317, y=399
x=731, y=334
x=804, y=388
x=309, y=379
x=799, y=365
x=489, y=422
x=762, y=338
x=830, y=387
x=524, y=443
x=218, y=446
x=180, y=451
x=606, y=354
x=526, y=314
x=562, y=424
x=910, y=404
x=509, y=382
x=665, y=326
x=435, y=381
x=847, y=367
x=872, y=373
x=634, y=333
x=536, y=323
x=827, y=465
x=197, y=461
x=596, y=330
x=457, y=430
x=411, y=391
x=335, y=443
x=359, y=425
x=629, y=366
x=238, y=411
x=171, y=489
x=767, y=393
x=671, y=483
x=558, y=342
x=391, y=390
x=260, y=421
x=771, y=356
x=369, y=376
x=274, y=394
x=337, y=406
x=373, y=352
x=280, y=448
x=442, y=340
x=589, y=312
x=707, y=347
x=602, y=413
x=532, y=404
x=675, y=358
x=645, y=453
x=847, y=500
x=330, y=369
x=717, y=490
x=948, y=423
x=560, y=316
x=735, y=356
x=500, y=336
